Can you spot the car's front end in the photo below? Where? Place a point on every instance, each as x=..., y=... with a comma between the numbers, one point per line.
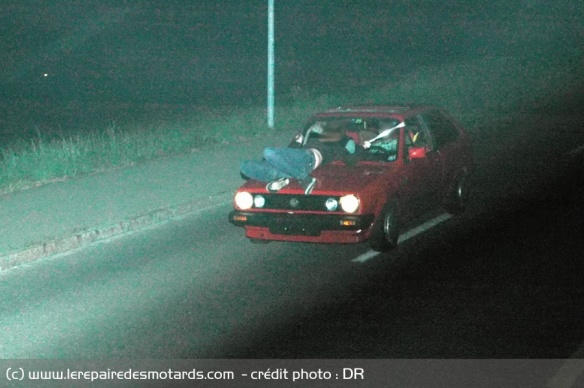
x=341, y=208
x=299, y=217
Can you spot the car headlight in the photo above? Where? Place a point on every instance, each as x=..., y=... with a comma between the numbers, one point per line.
x=259, y=201
x=349, y=203
x=244, y=200
x=331, y=204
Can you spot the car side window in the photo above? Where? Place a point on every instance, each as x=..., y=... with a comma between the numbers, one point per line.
x=416, y=134
x=443, y=131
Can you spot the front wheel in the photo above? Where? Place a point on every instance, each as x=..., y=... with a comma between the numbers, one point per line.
x=458, y=198
x=385, y=230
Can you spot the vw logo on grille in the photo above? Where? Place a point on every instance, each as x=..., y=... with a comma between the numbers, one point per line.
x=294, y=202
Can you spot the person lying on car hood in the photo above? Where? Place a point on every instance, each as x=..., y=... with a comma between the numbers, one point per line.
x=323, y=145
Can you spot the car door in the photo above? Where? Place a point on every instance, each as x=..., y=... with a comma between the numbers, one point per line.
x=424, y=175
x=445, y=135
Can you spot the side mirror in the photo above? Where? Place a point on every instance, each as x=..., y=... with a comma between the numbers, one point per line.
x=417, y=153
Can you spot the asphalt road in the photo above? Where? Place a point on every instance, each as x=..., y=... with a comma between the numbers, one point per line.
x=503, y=281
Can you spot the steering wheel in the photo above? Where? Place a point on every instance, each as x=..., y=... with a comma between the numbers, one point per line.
x=379, y=150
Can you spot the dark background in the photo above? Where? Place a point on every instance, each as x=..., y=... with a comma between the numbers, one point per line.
x=72, y=66
x=215, y=52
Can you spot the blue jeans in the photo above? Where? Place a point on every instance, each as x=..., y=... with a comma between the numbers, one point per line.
x=280, y=163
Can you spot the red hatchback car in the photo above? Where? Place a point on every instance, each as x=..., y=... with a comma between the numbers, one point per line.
x=424, y=164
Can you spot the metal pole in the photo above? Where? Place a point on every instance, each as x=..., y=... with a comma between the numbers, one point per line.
x=271, y=63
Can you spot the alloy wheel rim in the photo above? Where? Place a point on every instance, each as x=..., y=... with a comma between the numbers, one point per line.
x=388, y=227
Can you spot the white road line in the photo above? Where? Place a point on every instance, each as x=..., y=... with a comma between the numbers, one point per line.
x=365, y=256
x=425, y=226
x=575, y=151
x=571, y=369
x=406, y=236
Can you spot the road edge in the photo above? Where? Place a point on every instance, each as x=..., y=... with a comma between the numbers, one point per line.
x=79, y=239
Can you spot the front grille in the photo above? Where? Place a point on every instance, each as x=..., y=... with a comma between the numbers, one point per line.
x=296, y=202
x=303, y=223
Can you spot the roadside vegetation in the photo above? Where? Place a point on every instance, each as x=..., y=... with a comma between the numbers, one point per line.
x=473, y=91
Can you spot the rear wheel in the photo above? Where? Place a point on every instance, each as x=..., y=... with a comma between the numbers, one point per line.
x=457, y=200
x=385, y=230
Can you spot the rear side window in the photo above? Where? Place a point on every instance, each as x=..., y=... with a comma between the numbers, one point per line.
x=443, y=131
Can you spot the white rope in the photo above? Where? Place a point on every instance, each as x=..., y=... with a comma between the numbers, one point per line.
x=367, y=144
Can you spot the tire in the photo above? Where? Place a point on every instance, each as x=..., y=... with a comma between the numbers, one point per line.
x=385, y=230
x=457, y=200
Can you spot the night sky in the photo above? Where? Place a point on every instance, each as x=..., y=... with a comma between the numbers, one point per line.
x=202, y=52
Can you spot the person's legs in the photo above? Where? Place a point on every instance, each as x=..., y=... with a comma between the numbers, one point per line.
x=292, y=162
x=261, y=171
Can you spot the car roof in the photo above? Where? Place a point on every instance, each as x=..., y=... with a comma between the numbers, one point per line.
x=371, y=110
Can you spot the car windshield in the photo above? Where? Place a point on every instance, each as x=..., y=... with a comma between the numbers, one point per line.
x=364, y=131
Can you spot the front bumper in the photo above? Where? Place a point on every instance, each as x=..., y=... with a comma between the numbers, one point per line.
x=304, y=227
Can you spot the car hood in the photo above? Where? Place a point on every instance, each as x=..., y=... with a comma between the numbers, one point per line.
x=333, y=178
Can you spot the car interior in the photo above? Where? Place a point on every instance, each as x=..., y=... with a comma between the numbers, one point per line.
x=362, y=130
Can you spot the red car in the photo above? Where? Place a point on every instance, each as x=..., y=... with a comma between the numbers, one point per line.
x=423, y=165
